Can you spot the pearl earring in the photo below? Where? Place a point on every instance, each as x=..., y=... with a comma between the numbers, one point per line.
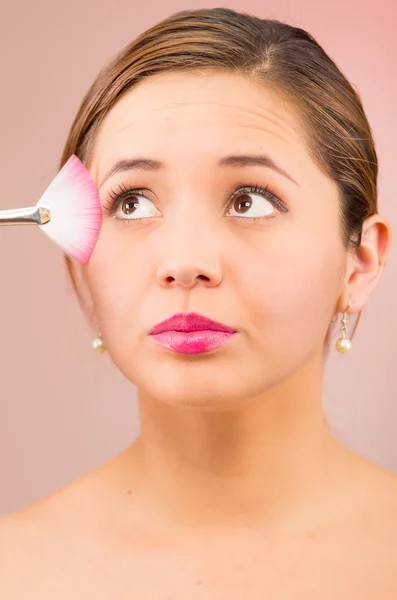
x=98, y=344
x=343, y=344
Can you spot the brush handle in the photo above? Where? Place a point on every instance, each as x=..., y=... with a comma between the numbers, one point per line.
x=32, y=215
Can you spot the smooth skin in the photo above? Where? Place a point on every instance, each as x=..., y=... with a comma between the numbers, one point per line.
x=234, y=488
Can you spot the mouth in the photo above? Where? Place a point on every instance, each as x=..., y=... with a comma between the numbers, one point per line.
x=188, y=322
x=193, y=342
x=191, y=333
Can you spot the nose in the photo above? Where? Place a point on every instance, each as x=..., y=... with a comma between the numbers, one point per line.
x=188, y=276
x=189, y=260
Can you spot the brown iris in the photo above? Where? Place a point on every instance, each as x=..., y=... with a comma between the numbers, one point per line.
x=243, y=203
x=128, y=206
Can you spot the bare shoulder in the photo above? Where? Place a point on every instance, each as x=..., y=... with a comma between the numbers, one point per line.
x=382, y=486
x=61, y=543
x=371, y=540
x=32, y=548
x=50, y=540
x=75, y=509
x=376, y=505
x=25, y=533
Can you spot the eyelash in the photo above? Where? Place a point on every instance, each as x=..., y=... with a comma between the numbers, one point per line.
x=117, y=195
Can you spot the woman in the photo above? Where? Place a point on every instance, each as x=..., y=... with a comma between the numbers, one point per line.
x=238, y=178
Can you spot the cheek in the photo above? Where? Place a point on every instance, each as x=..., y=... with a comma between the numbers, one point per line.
x=112, y=279
x=293, y=282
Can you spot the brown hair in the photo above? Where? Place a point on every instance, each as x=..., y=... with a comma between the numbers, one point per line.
x=286, y=59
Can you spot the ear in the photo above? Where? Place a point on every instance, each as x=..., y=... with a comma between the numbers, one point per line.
x=366, y=264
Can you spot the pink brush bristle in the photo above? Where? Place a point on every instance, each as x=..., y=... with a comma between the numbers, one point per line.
x=75, y=210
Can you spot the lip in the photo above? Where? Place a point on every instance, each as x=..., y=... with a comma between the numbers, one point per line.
x=191, y=342
x=189, y=322
x=191, y=333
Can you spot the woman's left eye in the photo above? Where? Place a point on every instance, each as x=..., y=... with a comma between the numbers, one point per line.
x=129, y=201
x=242, y=203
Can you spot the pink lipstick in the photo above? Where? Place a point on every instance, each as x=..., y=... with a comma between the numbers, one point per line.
x=191, y=333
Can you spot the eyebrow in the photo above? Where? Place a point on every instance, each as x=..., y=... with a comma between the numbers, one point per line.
x=233, y=160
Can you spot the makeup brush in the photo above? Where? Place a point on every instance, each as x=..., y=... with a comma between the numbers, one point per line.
x=69, y=211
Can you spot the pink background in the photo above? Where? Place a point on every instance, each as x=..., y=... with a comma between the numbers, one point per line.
x=63, y=408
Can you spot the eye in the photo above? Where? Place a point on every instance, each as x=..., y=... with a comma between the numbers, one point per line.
x=243, y=203
x=126, y=204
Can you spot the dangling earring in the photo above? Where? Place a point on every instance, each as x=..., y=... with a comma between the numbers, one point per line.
x=98, y=344
x=343, y=344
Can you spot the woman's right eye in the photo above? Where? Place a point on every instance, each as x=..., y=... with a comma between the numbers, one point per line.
x=131, y=205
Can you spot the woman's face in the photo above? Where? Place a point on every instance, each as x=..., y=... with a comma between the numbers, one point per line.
x=190, y=241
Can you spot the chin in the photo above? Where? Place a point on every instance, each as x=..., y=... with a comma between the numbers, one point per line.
x=209, y=388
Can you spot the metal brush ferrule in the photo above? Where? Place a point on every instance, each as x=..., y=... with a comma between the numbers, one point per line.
x=32, y=215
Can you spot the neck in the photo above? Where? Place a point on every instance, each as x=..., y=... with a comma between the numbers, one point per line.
x=268, y=461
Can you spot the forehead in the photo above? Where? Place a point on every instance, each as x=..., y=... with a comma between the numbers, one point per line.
x=192, y=117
